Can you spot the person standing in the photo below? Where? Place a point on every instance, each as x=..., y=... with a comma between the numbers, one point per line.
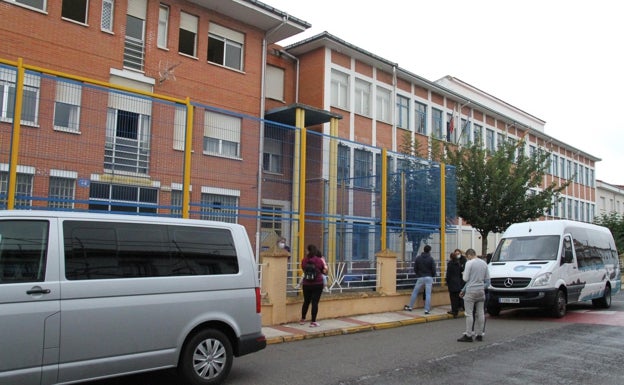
x=475, y=275
x=454, y=282
x=312, y=284
x=425, y=270
x=462, y=262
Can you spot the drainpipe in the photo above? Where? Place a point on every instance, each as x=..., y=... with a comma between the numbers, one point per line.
x=261, y=141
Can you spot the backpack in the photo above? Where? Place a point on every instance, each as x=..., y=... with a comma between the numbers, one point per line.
x=309, y=272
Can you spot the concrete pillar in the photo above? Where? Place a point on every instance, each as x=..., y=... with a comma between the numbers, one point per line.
x=386, y=271
x=274, y=275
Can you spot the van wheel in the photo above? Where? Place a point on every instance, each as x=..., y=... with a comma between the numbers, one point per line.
x=603, y=302
x=559, y=307
x=493, y=310
x=206, y=358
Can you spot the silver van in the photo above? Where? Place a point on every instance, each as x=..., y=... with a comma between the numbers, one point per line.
x=86, y=296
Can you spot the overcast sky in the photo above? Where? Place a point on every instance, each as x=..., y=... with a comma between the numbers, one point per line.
x=561, y=61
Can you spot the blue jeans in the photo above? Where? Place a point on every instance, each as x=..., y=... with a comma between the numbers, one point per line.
x=428, y=282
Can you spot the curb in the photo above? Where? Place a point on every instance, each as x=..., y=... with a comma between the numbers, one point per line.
x=389, y=320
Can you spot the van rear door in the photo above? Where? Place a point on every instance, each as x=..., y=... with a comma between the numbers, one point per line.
x=29, y=302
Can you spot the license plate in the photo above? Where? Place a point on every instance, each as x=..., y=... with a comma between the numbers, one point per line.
x=509, y=300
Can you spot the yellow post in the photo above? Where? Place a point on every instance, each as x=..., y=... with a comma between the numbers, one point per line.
x=384, y=198
x=442, y=222
x=15, y=136
x=300, y=123
x=333, y=190
x=188, y=147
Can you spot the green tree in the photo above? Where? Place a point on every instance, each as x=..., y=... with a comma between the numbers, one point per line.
x=497, y=189
x=615, y=223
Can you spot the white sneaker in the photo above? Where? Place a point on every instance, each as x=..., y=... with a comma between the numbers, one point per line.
x=298, y=286
x=325, y=290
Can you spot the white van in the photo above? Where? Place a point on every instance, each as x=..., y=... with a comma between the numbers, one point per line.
x=548, y=264
x=87, y=296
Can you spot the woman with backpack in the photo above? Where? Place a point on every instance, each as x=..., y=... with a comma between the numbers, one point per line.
x=312, y=283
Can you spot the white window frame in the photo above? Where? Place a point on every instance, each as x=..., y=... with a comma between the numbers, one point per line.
x=68, y=95
x=188, y=23
x=402, y=111
x=274, y=83
x=86, y=9
x=163, y=26
x=108, y=12
x=222, y=134
x=420, y=118
x=233, y=46
x=62, y=185
x=229, y=213
x=339, y=89
x=31, y=89
x=273, y=156
x=22, y=3
x=362, y=97
x=383, y=104
x=179, y=128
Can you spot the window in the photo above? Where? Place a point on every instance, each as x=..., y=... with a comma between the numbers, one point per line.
x=61, y=192
x=383, y=104
x=108, y=7
x=163, y=26
x=273, y=157
x=127, y=145
x=225, y=47
x=360, y=241
x=30, y=101
x=179, y=128
x=67, y=106
x=500, y=139
x=36, y=4
x=562, y=169
x=555, y=165
x=489, y=140
x=121, y=198
x=222, y=134
x=109, y=250
x=420, y=116
x=464, y=132
x=402, y=110
x=362, y=168
x=23, y=188
x=176, y=202
x=362, y=97
x=134, y=48
x=217, y=207
x=23, y=251
x=477, y=134
x=344, y=161
x=436, y=121
x=271, y=221
x=187, y=41
x=274, y=83
x=339, y=90
x=75, y=10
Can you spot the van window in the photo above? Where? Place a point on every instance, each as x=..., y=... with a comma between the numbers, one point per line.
x=105, y=250
x=23, y=250
x=538, y=248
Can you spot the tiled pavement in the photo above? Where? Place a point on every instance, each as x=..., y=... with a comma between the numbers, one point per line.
x=329, y=327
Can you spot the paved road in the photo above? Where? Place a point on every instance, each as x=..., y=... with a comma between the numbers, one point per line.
x=520, y=347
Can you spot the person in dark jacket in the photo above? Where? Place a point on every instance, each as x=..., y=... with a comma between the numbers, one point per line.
x=425, y=270
x=312, y=289
x=454, y=281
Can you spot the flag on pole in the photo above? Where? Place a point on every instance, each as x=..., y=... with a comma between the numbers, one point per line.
x=450, y=126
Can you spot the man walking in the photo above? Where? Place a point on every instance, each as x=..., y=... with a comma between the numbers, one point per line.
x=425, y=269
x=475, y=275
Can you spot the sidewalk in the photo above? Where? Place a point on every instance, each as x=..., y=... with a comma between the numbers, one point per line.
x=330, y=327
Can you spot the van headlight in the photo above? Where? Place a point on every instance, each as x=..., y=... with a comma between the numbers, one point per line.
x=542, y=280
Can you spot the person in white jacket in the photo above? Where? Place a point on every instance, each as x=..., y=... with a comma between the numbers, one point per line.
x=475, y=275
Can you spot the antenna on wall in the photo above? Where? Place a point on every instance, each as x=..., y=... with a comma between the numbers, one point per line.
x=166, y=71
